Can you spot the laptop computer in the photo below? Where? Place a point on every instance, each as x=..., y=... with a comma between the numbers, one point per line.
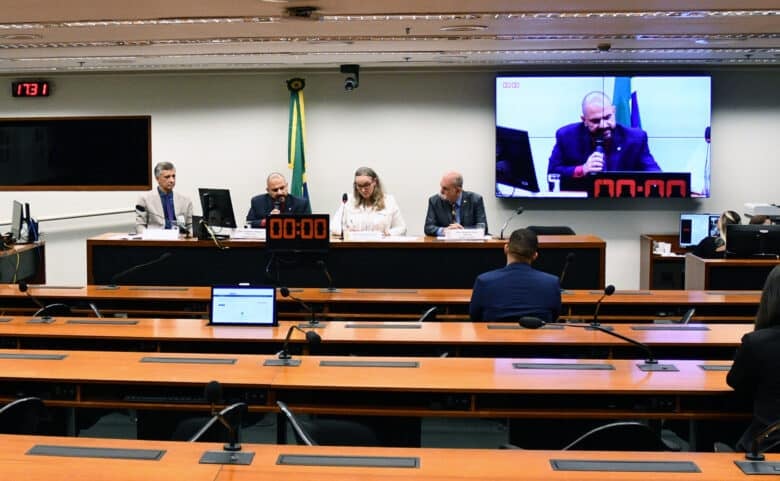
x=243, y=305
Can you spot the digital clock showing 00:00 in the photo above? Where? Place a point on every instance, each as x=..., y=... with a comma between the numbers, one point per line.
x=298, y=232
x=35, y=88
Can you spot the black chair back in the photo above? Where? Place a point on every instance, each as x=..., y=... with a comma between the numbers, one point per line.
x=620, y=436
x=551, y=229
x=22, y=416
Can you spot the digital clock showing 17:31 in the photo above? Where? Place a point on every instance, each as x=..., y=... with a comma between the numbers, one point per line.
x=31, y=88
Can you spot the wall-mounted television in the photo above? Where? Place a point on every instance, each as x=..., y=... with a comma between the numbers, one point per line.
x=591, y=136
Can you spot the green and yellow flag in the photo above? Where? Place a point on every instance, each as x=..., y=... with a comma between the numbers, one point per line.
x=296, y=151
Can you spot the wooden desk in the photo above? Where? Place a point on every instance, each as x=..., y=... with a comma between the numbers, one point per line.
x=718, y=341
x=661, y=272
x=387, y=304
x=180, y=462
x=23, y=262
x=726, y=274
x=420, y=263
x=443, y=387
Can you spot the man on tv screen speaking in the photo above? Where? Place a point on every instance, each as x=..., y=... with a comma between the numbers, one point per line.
x=599, y=144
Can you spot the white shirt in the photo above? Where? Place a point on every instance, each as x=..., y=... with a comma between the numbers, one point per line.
x=362, y=218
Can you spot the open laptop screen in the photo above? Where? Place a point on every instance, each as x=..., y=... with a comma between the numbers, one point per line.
x=243, y=305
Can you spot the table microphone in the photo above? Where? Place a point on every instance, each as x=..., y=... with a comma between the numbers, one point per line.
x=119, y=275
x=569, y=259
x=312, y=338
x=44, y=317
x=515, y=213
x=754, y=454
x=183, y=227
x=344, y=199
x=608, y=291
x=324, y=266
x=313, y=322
x=213, y=394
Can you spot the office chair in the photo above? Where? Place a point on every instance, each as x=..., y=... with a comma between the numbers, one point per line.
x=551, y=229
x=22, y=416
x=329, y=432
x=53, y=310
x=621, y=436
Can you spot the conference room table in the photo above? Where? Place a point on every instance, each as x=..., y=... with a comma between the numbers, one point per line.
x=179, y=461
x=709, y=341
x=712, y=306
x=727, y=274
x=398, y=262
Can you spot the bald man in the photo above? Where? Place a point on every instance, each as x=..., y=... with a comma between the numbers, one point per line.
x=598, y=144
x=276, y=200
x=453, y=207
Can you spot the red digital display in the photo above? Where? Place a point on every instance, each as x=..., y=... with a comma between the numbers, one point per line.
x=35, y=88
x=298, y=232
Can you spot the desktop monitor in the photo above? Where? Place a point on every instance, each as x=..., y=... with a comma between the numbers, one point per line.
x=695, y=226
x=243, y=305
x=17, y=214
x=750, y=240
x=217, y=207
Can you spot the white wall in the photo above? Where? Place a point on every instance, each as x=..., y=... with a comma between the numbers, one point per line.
x=230, y=130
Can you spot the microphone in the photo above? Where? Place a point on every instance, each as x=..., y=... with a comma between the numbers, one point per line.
x=517, y=212
x=754, y=454
x=229, y=417
x=213, y=394
x=283, y=357
x=180, y=223
x=43, y=311
x=429, y=315
x=344, y=199
x=599, y=145
x=119, y=275
x=324, y=266
x=313, y=322
x=650, y=364
x=608, y=291
x=569, y=259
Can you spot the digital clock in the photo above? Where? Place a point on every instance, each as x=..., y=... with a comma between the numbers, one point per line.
x=297, y=232
x=34, y=88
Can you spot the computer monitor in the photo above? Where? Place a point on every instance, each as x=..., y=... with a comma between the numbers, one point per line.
x=217, y=207
x=243, y=305
x=514, y=162
x=751, y=240
x=17, y=214
x=695, y=226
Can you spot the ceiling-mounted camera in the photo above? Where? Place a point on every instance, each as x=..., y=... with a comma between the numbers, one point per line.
x=353, y=76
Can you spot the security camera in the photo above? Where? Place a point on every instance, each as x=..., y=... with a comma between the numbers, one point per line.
x=353, y=78
x=604, y=47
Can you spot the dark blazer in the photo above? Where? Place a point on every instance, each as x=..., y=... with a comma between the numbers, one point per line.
x=755, y=374
x=472, y=212
x=514, y=291
x=262, y=204
x=627, y=150
x=707, y=248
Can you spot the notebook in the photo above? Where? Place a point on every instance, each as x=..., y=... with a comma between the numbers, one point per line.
x=243, y=305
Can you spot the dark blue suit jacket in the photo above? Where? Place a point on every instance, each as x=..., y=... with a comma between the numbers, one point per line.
x=262, y=204
x=626, y=151
x=472, y=212
x=514, y=291
x=755, y=375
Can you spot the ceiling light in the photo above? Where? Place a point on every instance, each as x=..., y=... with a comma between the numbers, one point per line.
x=463, y=28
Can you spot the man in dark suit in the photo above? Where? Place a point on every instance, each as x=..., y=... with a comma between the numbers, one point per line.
x=454, y=208
x=277, y=200
x=517, y=289
x=598, y=144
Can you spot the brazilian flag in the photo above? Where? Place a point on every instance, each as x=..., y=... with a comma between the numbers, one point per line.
x=626, y=103
x=296, y=152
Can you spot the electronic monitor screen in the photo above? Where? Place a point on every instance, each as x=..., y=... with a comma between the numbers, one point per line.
x=243, y=305
x=17, y=213
x=217, y=207
x=696, y=226
x=752, y=241
x=657, y=146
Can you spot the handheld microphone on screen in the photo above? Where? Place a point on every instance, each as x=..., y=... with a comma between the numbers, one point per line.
x=183, y=227
x=313, y=322
x=44, y=312
x=503, y=227
x=599, y=142
x=283, y=357
x=650, y=364
x=324, y=266
x=112, y=283
x=569, y=259
x=344, y=199
x=608, y=291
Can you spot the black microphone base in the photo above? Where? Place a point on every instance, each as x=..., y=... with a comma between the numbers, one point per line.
x=758, y=467
x=227, y=457
x=41, y=320
x=330, y=289
x=109, y=287
x=606, y=328
x=282, y=362
x=647, y=367
x=310, y=325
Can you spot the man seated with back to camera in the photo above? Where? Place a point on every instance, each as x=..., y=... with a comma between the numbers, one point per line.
x=599, y=144
x=162, y=207
x=517, y=289
x=453, y=207
x=276, y=200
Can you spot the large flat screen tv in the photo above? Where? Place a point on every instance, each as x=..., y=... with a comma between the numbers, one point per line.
x=651, y=133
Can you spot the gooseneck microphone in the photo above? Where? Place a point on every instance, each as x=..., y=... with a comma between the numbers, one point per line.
x=121, y=274
x=283, y=357
x=650, y=364
x=229, y=417
x=344, y=199
x=755, y=454
x=184, y=228
x=43, y=310
x=569, y=259
x=503, y=227
x=313, y=322
x=324, y=266
x=608, y=291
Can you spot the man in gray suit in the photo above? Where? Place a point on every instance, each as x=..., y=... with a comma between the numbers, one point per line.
x=162, y=207
x=453, y=207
